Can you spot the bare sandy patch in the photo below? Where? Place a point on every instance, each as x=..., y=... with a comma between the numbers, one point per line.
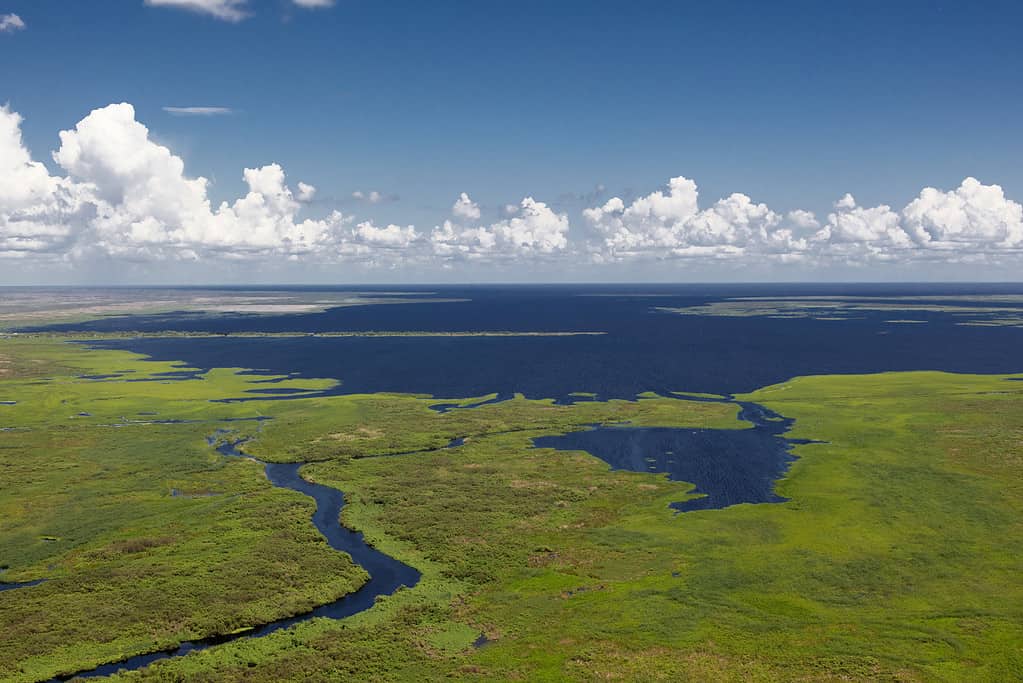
x=360, y=433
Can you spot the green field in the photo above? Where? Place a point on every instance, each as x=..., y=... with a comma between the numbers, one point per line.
x=897, y=557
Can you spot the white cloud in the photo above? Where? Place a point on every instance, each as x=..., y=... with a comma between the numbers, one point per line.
x=535, y=230
x=465, y=208
x=373, y=197
x=143, y=204
x=9, y=23
x=973, y=217
x=391, y=236
x=198, y=111
x=802, y=220
x=853, y=223
x=126, y=196
x=649, y=223
x=23, y=182
x=973, y=220
x=228, y=10
x=671, y=224
x=854, y=233
x=117, y=193
x=33, y=204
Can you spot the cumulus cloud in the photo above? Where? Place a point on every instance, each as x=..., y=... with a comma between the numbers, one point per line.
x=314, y=4
x=228, y=10
x=23, y=182
x=9, y=23
x=125, y=195
x=802, y=219
x=972, y=221
x=391, y=236
x=33, y=204
x=465, y=208
x=854, y=233
x=144, y=203
x=972, y=217
x=198, y=111
x=114, y=192
x=671, y=224
x=534, y=230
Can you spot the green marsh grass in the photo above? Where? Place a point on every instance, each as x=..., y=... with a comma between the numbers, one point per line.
x=896, y=557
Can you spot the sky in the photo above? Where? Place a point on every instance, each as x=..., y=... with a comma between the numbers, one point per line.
x=346, y=141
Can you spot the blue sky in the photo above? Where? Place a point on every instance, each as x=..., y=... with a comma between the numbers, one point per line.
x=794, y=104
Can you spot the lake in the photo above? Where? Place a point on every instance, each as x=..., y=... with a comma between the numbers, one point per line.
x=644, y=348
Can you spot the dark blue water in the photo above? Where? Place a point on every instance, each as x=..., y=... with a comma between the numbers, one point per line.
x=727, y=466
x=386, y=574
x=643, y=350
x=23, y=584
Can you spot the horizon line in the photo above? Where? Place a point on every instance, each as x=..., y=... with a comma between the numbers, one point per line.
x=588, y=283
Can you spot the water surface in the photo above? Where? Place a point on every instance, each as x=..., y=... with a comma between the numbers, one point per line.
x=728, y=466
x=644, y=349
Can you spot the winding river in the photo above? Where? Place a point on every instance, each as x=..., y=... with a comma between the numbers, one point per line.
x=386, y=573
x=728, y=466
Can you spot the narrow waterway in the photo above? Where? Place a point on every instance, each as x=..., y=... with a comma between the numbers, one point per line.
x=23, y=584
x=728, y=466
x=386, y=573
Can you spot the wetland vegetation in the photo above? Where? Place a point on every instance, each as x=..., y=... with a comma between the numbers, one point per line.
x=35, y=305
x=895, y=556
x=1005, y=310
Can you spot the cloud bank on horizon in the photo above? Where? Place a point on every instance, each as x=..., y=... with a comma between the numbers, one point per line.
x=119, y=194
